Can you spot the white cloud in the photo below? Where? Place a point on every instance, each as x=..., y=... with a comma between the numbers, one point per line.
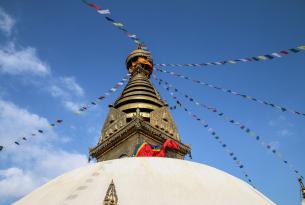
x=57, y=91
x=21, y=61
x=68, y=90
x=15, y=183
x=65, y=87
x=35, y=161
x=25, y=62
x=71, y=85
x=6, y=22
x=72, y=106
x=12, y=117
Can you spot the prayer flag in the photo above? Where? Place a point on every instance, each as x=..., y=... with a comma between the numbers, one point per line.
x=118, y=24
x=59, y=121
x=262, y=57
x=109, y=19
x=276, y=55
x=294, y=50
x=96, y=7
x=122, y=29
x=106, y=11
x=131, y=35
x=301, y=47
x=17, y=143
x=269, y=56
x=1, y=148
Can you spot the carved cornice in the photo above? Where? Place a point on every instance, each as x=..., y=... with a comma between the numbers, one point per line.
x=136, y=125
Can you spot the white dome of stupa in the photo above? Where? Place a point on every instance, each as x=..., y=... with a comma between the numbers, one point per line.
x=149, y=181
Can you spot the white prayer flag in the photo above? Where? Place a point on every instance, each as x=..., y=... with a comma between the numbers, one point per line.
x=107, y=11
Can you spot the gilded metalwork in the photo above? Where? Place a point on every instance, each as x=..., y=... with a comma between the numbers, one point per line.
x=139, y=59
x=162, y=119
x=125, y=140
x=111, y=197
x=302, y=187
x=114, y=121
x=139, y=114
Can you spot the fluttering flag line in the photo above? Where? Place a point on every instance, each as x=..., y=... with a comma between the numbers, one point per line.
x=117, y=24
x=242, y=126
x=102, y=97
x=215, y=136
x=34, y=133
x=271, y=56
x=22, y=139
x=225, y=90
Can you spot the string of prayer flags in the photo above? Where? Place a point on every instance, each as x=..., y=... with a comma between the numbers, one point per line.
x=242, y=126
x=132, y=36
x=225, y=90
x=51, y=125
x=101, y=98
x=271, y=56
x=57, y=122
x=97, y=8
x=19, y=141
x=215, y=136
x=117, y=24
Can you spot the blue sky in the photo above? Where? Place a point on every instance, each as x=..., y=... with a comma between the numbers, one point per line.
x=56, y=55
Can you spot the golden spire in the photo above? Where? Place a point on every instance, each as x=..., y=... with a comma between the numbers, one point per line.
x=139, y=60
x=111, y=198
x=302, y=187
x=139, y=114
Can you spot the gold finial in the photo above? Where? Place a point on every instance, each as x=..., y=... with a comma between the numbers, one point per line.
x=140, y=46
x=300, y=179
x=138, y=113
x=111, y=198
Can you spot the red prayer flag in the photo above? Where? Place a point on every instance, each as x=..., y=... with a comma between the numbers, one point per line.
x=96, y=7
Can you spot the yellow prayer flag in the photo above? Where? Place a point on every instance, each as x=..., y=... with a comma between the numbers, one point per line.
x=231, y=61
x=252, y=134
x=262, y=57
x=302, y=47
x=118, y=24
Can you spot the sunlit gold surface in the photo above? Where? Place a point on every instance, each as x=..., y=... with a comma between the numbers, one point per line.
x=139, y=114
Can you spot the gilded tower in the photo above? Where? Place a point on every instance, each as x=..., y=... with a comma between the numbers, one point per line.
x=138, y=115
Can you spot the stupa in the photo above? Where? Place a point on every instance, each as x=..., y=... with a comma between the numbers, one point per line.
x=120, y=177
